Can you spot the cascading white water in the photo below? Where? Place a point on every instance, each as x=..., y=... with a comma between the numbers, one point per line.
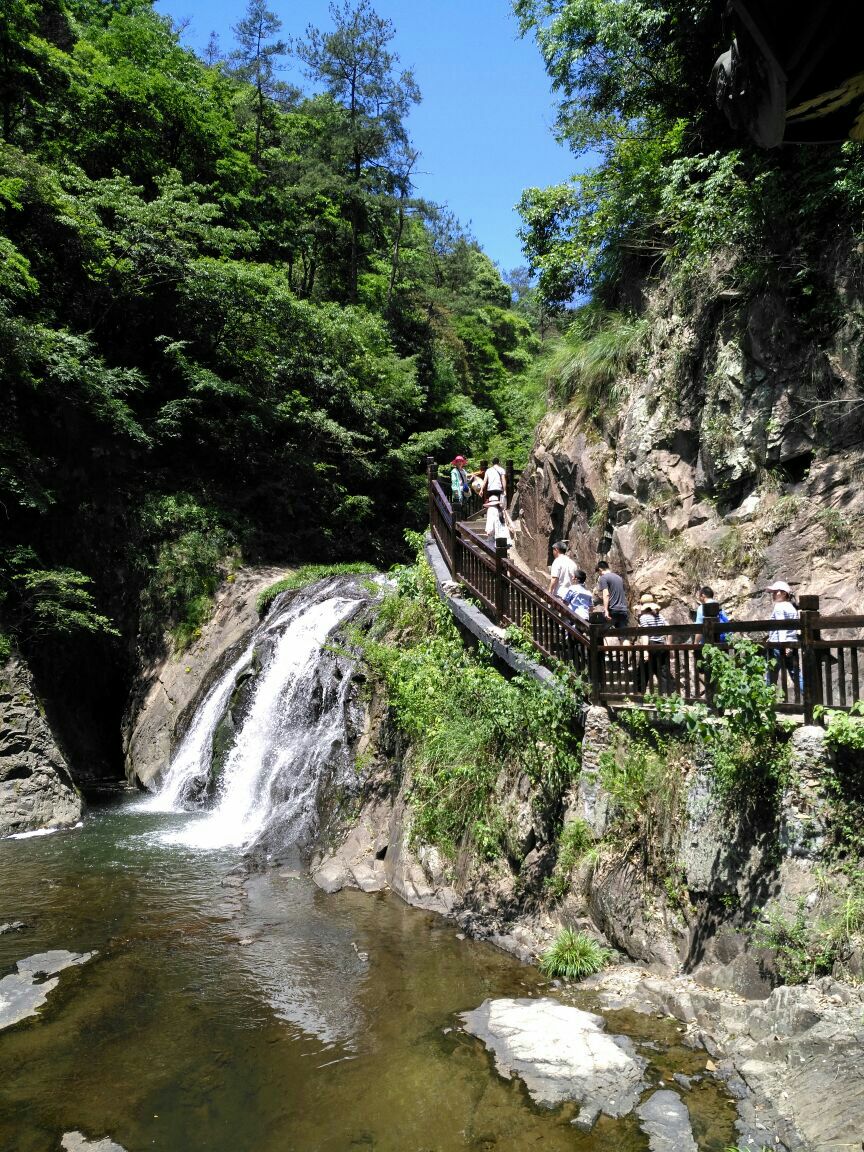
x=290, y=733
x=190, y=764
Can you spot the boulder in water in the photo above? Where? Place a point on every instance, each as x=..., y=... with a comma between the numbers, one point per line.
x=561, y=1054
x=26, y=990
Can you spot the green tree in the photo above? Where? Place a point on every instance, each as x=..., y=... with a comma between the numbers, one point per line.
x=256, y=61
x=357, y=68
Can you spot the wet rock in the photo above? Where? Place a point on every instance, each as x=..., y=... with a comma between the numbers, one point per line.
x=561, y=1053
x=78, y=1142
x=26, y=990
x=168, y=692
x=13, y=926
x=665, y=1120
x=36, y=789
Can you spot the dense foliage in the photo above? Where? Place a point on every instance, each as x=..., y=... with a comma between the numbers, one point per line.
x=671, y=185
x=228, y=329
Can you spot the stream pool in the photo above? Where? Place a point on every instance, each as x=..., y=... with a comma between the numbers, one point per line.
x=267, y=1016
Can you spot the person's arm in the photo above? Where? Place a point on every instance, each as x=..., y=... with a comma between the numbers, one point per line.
x=605, y=591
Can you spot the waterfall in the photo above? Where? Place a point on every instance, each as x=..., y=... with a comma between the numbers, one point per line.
x=290, y=741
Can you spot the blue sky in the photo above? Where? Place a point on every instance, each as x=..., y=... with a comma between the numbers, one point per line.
x=484, y=127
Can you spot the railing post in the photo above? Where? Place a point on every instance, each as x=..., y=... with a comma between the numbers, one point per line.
x=431, y=469
x=710, y=612
x=810, y=663
x=454, y=538
x=500, y=585
x=595, y=643
x=508, y=468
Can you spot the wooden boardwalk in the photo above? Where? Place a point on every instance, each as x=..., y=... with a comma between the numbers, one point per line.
x=823, y=667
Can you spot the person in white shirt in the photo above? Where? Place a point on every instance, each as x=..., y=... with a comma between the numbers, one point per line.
x=495, y=482
x=783, y=609
x=491, y=507
x=563, y=570
x=503, y=526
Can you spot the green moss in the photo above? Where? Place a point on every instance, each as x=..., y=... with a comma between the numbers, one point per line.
x=306, y=575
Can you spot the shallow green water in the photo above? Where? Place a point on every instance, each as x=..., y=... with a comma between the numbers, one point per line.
x=241, y=1018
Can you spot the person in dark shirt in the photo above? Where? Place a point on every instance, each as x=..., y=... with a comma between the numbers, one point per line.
x=611, y=588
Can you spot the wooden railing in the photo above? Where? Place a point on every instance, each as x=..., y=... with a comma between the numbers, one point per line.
x=823, y=667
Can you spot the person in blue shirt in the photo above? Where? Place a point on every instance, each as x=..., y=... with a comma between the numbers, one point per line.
x=705, y=595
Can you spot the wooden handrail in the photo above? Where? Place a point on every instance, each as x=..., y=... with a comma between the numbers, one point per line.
x=811, y=670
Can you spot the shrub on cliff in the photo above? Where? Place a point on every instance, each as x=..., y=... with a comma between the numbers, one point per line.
x=469, y=727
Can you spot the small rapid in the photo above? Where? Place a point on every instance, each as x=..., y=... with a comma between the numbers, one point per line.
x=289, y=740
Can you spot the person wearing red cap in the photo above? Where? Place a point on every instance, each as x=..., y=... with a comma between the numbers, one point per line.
x=459, y=485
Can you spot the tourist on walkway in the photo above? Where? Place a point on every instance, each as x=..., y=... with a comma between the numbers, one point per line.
x=657, y=664
x=563, y=571
x=495, y=482
x=475, y=478
x=504, y=526
x=611, y=588
x=783, y=608
x=491, y=507
x=579, y=600
x=459, y=485
x=705, y=595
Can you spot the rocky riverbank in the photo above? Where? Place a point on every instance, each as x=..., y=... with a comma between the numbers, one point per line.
x=36, y=788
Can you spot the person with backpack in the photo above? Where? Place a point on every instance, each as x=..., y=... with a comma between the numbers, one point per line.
x=705, y=595
x=460, y=487
x=578, y=599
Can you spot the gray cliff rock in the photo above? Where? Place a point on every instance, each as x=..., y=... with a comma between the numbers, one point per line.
x=794, y=1060
x=36, y=789
x=167, y=693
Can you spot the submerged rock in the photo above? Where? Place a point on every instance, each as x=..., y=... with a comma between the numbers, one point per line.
x=561, y=1054
x=26, y=990
x=78, y=1142
x=665, y=1120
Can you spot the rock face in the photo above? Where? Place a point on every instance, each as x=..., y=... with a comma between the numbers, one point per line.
x=167, y=693
x=794, y=1059
x=36, y=789
x=24, y=991
x=732, y=459
x=561, y=1053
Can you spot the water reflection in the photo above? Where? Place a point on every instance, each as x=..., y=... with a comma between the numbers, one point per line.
x=235, y=1017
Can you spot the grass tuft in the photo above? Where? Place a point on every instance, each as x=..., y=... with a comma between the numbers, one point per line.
x=306, y=575
x=574, y=956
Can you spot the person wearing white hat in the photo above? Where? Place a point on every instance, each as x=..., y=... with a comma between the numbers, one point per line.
x=658, y=656
x=491, y=506
x=783, y=608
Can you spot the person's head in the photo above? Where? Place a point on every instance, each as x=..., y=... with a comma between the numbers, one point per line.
x=581, y=576
x=483, y=465
x=705, y=593
x=648, y=603
x=494, y=459
x=559, y=548
x=780, y=590
x=602, y=566
x=458, y=461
